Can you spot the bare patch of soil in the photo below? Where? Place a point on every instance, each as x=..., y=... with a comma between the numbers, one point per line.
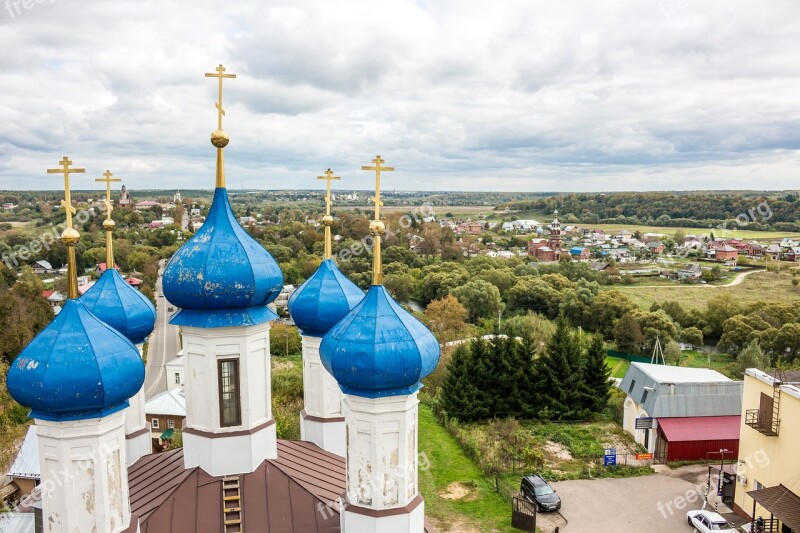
x=459, y=491
x=557, y=451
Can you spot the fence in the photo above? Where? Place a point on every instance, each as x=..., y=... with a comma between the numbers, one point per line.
x=628, y=357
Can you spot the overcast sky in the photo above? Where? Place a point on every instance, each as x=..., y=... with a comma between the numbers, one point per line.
x=469, y=95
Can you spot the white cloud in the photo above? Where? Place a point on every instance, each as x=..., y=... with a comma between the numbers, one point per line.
x=513, y=95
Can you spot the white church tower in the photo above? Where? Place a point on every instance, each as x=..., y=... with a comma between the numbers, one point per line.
x=378, y=354
x=124, y=308
x=316, y=306
x=222, y=279
x=76, y=375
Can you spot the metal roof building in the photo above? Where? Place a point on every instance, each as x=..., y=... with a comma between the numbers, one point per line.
x=673, y=391
x=681, y=413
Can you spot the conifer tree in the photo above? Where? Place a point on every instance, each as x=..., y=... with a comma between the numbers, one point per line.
x=458, y=393
x=596, y=376
x=561, y=388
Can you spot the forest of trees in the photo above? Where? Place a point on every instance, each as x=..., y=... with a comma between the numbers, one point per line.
x=673, y=209
x=510, y=377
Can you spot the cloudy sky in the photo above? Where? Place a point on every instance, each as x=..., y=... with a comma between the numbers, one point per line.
x=456, y=94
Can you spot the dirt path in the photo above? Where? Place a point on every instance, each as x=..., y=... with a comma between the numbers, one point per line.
x=736, y=281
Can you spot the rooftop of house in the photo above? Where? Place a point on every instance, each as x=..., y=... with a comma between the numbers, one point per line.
x=171, y=402
x=670, y=391
x=298, y=491
x=26, y=464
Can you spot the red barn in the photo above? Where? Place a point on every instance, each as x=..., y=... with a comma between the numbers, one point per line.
x=698, y=437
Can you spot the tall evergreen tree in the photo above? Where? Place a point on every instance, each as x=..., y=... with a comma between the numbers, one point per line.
x=561, y=389
x=596, y=376
x=458, y=394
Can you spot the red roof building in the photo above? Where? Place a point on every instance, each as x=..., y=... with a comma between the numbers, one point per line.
x=698, y=437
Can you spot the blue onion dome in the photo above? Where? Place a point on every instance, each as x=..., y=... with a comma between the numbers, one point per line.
x=222, y=276
x=323, y=300
x=115, y=302
x=76, y=368
x=379, y=349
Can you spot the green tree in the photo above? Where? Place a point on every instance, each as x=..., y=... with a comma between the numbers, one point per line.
x=561, y=391
x=596, y=376
x=28, y=284
x=532, y=327
x=656, y=325
x=533, y=294
x=458, y=395
x=439, y=279
x=284, y=338
x=673, y=353
x=400, y=286
x=751, y=357
x=607, y=308
x=692, y=336
x=785, y=344
x=628, y=334
x=481, y=299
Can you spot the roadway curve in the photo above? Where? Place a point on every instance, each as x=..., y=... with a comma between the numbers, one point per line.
x=163, y=346
x=736, y=281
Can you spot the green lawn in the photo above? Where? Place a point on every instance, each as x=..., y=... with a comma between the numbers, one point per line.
x=481, y=509
x=758, y=287
x=721, y=362
x=618, y=366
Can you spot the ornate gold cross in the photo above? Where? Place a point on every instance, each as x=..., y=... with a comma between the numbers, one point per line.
x=376, y=227
x=107, y=179
x=378, y=169
x=327, y=220
x=69, y=236
x=328, y=177
x=66, y=171
x=220, y=75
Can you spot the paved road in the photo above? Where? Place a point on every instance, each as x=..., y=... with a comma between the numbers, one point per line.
x=163, y=345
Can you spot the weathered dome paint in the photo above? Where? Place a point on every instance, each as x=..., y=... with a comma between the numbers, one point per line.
x=222, y=276
x=76, y=368
x=323, y=300
x=379, y=349
x=121, y=306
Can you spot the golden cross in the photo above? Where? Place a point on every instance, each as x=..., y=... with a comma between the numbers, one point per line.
x=328, y=177
x=108, y=181
x=378, y=169
x=220, y=74
x=67, y=201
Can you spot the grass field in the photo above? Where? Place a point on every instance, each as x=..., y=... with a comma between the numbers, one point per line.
x=730, y=233
x=761, y=286
x=457, y=496
x=721, y=362
x=618, y=366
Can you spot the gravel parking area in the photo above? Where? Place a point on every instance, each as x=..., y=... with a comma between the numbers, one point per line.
x=649, y=504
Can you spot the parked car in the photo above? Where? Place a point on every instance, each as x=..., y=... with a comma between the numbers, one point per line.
x=708, y=522
x=538, y=491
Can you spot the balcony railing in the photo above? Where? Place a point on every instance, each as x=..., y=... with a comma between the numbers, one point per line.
x=765, y=427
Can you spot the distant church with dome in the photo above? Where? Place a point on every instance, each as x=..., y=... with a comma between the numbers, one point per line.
x=355, y=469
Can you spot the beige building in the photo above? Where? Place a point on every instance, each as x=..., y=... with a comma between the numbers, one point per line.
x=768, y=472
